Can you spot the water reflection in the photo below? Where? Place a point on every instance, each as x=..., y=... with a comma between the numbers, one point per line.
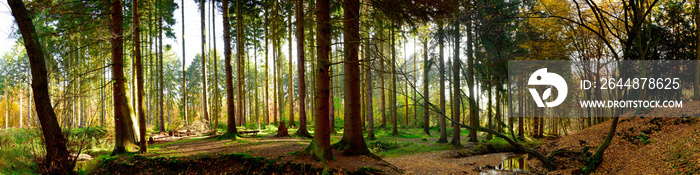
x=515, y=163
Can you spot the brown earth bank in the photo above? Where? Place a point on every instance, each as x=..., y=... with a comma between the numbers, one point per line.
x=661, y=141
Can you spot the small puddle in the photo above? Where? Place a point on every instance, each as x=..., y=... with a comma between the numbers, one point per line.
x=516, y=163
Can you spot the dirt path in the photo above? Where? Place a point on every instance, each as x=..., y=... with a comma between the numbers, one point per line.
x=280, y=149
x=270, y=147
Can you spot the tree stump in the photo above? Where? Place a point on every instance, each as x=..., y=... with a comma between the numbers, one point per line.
x=282, y=130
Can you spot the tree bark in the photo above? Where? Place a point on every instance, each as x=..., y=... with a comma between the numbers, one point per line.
x=240, y=38
x=394, y=107
x=267, y=84
x=443, y=122
x=490, y=113
x=426, y=71
x=57, y=156
x=521, y=118
x=352, y=143
x=216, y=71
x=301, y=68
x=381, y=78
x=473, y=110
x=231, y=131
x=125, y=131
x=143, y=147
x=456, y=99
x=205, y=110
x=291, y=77
x=320, y=146
x=369, y=108
x=184, y=72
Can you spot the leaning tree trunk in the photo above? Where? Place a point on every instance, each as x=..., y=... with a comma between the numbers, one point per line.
x=57, y=156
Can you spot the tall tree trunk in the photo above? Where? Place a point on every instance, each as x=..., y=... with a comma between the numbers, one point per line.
x=426, y=71
x=381, y=78
x=21, y=124
x=415, y=90
x=267, y=84
x=521, y=122
x=536, y=124
x=456, y=99
x=394, y=107
x=352, y=142
x=283, y=131
x=125, y=133
x=205, y=113
x=406, y=107
x=7, y=105
x=320, y=146
x=161, y=124
x=473, y=110
x=216, y=70
x=239, y=58
x=139, y=80
x=443, y=122
x=231, y=131
x=369, y=108
x=57, y=156
x=489, y=136
x=184, y=72
x=331, y=99
x=301, y=68
x=291, y=78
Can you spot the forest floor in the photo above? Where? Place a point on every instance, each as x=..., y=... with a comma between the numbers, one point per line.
x=648, y=143
x=661, y=141
x=410, y=152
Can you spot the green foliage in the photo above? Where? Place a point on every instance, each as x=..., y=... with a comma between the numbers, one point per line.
x=18, y=151
x=271, y=128
x=382, y=145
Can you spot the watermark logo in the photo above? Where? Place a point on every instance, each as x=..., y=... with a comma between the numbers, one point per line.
x=542, y=77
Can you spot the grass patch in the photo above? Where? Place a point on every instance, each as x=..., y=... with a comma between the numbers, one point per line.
x=177, y=142
x=235, y=163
